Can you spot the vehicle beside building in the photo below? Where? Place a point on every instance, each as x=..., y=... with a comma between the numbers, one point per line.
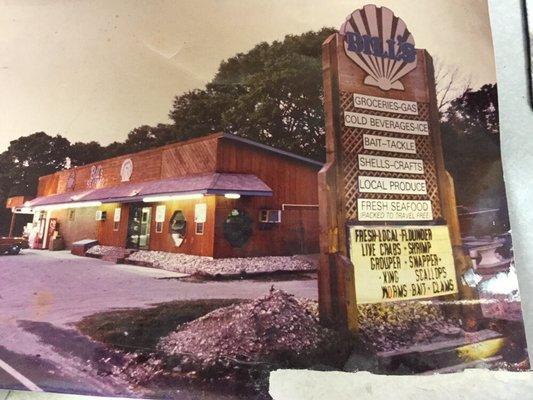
x=12, y=246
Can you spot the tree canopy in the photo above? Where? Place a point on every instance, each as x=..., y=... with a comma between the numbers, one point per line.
x=272, y=94
x=471, y=145
x=32, y=156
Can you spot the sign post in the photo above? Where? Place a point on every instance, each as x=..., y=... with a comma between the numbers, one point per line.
x=389, y=229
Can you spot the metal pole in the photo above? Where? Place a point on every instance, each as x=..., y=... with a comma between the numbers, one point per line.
x=12, y=226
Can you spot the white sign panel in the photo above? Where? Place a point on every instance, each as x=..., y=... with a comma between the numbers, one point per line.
x=160, y=212
x=385, y=124
x=200, y=212
x=383, y=104
x=395, y=145
x=394, y=210
x=374, y=184
x=116, y=216
x=390, y=164
x=401, y=263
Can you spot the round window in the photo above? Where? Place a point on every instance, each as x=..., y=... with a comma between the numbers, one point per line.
x=237, y=228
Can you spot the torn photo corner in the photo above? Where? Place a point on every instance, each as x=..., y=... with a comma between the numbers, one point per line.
x=320, y=189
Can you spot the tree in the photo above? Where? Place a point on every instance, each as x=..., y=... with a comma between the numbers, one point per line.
x=282, y=106
x=25, y=160
x=146, y=137
x=84, y=153
x=476, y=112
x=32, y=156
x=199, y=112
x=272, y=94
x=142, y=138
x=471, y=145
x=449, y=83
x=5, y=187
x=114, y=149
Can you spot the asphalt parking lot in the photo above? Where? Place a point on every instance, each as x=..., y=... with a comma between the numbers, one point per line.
x=42, y=294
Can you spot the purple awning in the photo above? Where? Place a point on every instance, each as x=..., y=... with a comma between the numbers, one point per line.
x=213, y=183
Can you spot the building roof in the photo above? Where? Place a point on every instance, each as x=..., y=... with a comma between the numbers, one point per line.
x=271, y=149
x=211, y=183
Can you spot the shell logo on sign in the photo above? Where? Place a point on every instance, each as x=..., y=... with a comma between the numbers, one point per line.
x=380, y=43
x=126, y=170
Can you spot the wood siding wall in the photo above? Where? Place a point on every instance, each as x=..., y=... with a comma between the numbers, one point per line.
x=201, y=245
x=175, y=160
x=105, y=229
x=82, y=226
x=48, y=184
x=192, y=158
x=296, y=234
x=146, y=166
x=293, y=182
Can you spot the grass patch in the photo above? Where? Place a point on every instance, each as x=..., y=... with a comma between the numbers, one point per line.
x=139, y=330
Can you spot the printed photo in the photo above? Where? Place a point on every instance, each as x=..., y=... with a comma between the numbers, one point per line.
x=200, y=193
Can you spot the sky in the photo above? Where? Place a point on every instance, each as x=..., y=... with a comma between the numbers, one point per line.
x=94, y=70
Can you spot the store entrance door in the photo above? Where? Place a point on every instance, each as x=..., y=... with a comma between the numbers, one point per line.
x=139, y=223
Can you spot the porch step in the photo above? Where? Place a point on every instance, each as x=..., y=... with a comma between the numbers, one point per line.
x=439, y=355
x=129, y=252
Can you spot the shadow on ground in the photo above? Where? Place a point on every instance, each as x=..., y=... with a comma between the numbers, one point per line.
x=70, y=343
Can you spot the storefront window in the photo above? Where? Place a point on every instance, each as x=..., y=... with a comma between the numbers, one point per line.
x=139, y=227
x=237, y=228
x=200, y=228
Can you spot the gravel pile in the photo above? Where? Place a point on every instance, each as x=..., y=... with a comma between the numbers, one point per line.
x=106, y=251
x=199, y=265
x=273, y=331
x=386, y=327
x=139, y=369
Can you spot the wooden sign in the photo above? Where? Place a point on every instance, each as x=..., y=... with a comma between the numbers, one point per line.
x=384, y=170
x=16, y=201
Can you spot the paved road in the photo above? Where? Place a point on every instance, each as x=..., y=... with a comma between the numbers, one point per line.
x=42, y=294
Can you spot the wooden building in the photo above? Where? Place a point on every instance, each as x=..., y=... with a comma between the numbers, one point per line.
x=218, y=196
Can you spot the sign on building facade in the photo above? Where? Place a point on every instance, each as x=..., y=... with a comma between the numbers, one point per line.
x=388, y=219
